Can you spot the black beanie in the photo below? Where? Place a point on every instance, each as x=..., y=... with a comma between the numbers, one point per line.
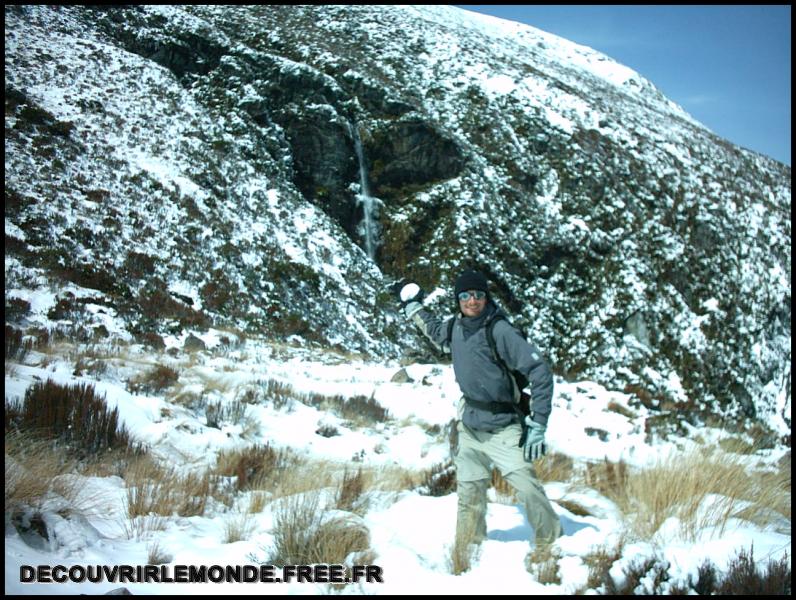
x=470, y=280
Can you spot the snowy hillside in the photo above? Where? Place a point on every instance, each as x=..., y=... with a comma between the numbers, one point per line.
x=206, y=206
x=205, y=165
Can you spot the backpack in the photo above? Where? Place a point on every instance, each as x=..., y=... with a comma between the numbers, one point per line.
x=522, y=400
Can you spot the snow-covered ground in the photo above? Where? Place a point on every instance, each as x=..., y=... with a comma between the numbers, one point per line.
x=411, y=534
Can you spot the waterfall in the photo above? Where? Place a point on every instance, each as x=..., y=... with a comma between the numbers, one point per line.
x=369, y=226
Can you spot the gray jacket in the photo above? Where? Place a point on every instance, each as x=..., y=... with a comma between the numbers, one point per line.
x=481, y=378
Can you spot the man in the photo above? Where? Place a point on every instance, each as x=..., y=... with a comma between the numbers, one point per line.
x=489, y=427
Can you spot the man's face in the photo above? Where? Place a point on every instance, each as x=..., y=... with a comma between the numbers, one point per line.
x=472, y=303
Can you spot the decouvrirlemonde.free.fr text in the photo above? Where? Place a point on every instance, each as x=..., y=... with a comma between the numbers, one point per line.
x=319, y=573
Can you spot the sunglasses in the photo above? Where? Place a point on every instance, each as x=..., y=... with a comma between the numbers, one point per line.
x=477, y=294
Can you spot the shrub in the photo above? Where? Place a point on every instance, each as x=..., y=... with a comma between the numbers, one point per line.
x=16, y=308
x=439, y=480
x=154, y=381
x=231, y=412
x=158, y=304
x=349, y=492
x=743, y=577
x=326, y=430
x=253, y=467
x=364, y=410
x=89, y=366
x=707, y=579
x=650, y=576
x=599, y=561
x=360, y=409
x=74, y=414
x=644, y=577
x=279, y=393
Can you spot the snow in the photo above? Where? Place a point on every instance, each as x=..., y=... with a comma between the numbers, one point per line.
x=512, y=37
x=410, y=534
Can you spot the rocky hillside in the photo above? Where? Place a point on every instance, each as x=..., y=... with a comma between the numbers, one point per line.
x=196, y=167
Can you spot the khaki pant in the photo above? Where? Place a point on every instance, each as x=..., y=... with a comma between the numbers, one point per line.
x=478, y=452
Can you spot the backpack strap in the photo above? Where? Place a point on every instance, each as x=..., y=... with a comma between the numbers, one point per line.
x=490, y=338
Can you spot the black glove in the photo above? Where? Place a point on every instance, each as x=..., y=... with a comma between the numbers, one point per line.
x=395, y=289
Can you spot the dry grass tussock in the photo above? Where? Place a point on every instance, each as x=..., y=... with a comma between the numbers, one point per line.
x=39, y=472
x=350, y=495
x=554, y=466
x=238, y=527
x=156, y=490
x=704, y=489
x=157, y=555
x=392, y=478
x=599, y=562
x=278, y=473
x=33, y=467
x=269, y=474
x=542, y=563
x=53, y=436
x=308, y=532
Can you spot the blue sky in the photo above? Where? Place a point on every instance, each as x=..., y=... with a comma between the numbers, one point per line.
x=727, y=66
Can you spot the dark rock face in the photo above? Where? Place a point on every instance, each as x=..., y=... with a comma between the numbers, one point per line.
x=192, y=55
x=410, y=153
x=184, y=53
x=326, y=165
